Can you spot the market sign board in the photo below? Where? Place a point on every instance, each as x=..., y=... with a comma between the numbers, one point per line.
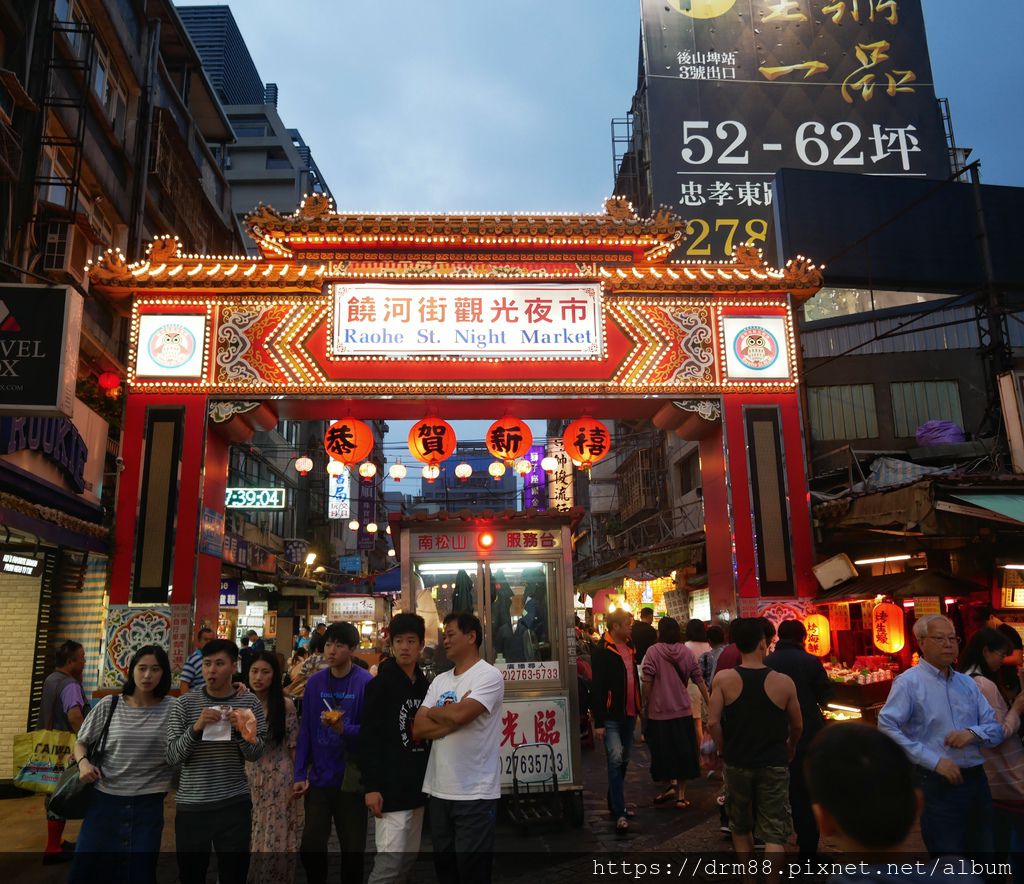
x=339, y=498
x=255, y=499
x=528, y=728
x=738, y=89
x=40, y=327
x=468, y=321
x=353, y=608
x=502, y=540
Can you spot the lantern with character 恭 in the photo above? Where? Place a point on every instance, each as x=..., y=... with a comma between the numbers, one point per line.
x=348, y=440
x=432, y=440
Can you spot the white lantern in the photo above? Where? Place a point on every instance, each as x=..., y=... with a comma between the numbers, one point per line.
x=303, y=465
x=497, y=470
x=463, y=471
x=431, y=471
x=371, y=528
x=353, y=525
x=391, y=553
x=398, y=471
x=523, y=466
x=335, y=467
x=367, y=469
x=549, y=464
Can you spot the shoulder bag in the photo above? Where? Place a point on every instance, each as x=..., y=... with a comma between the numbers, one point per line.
x=70, y=799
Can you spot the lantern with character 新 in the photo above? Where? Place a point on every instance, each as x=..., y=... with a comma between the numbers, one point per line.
x=887, y=628
x=348, y=441
x=587, y=441
x=509, y=439
x=432, y=440
x=819, y=635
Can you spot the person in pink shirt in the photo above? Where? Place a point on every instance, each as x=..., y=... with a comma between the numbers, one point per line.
x=669, y=669
x=616, y=704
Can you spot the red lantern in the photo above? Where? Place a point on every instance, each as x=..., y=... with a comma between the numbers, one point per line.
x=109, y=380
x=349, y=441
x=587, y=441
x=819, y=635
x=887, y=628
x=509, y=439
x=432, y=440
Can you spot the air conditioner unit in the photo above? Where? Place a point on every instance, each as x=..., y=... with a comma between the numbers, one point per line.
x=835, y=571
x=66, y=249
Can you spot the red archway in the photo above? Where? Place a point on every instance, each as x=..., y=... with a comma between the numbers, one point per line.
x=548, y=315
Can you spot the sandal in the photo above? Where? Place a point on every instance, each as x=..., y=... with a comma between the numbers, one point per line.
x=622, y=824
x=682, y=804
x=667, y=795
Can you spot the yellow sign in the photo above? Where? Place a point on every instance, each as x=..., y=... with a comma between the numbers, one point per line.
x=927, y=605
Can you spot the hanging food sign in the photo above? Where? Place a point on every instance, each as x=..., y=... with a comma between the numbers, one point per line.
x=586, y=441
x=509, y=439
x=887, y=628
x=432, y=440
x=348, y=440
x=819, y=635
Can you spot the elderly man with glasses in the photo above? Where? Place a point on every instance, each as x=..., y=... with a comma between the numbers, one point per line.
x=942, y=720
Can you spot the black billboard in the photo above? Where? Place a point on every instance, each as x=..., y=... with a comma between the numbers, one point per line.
x=737, y=89
x=39, y=334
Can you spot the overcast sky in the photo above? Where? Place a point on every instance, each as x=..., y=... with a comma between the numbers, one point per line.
x=492, y=106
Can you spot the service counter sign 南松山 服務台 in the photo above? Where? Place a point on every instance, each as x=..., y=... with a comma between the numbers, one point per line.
x=40, y=328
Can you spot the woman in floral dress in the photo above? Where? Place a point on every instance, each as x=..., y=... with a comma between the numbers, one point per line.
x=276, y=817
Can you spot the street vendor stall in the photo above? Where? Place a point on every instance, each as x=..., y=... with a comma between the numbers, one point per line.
x=514, y=572
x=367, y=614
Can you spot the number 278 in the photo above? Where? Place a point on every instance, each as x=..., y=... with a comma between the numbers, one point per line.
x=756, y=230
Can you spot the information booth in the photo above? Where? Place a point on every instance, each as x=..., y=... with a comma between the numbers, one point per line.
x=514, y=572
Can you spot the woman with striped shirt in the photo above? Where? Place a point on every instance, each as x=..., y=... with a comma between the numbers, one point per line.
x=120, y=836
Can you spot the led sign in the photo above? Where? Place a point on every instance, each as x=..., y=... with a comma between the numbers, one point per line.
x=255, y=499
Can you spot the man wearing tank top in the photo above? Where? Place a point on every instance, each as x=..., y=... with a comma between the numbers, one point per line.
x=755, y=721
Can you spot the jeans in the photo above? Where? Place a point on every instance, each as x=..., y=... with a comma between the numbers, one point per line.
x=1008, y=833
x=226, y=829
x=397, y=836
x=618, y=740
x=807, y=835
x=348, y=812
x=119, y=841
x=957, y=819
x=463, y=837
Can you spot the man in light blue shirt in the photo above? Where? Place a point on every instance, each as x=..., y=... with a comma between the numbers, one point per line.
x=192, y=671
x=942, y=720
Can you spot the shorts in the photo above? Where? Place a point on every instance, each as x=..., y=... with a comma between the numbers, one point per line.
x=764, y=790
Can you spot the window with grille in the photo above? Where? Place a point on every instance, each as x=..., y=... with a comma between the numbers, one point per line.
x=839, y=413
x=917, y=402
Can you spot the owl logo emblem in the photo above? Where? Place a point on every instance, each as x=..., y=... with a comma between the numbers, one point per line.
x=171, y=346
x=756, y=348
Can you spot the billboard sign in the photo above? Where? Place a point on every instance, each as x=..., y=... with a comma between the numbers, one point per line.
x=40, y=327
x=738, y=89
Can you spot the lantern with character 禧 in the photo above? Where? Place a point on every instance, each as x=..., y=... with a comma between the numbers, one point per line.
x=586, y=441
x=432, y=440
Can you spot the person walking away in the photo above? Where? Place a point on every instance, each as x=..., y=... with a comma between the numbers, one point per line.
x=754, y=718
x=813, y=688
x=863, y=795
x=942, y=721
x=211, y=733
x=709, y=659
x=192, y=672
x=276, y=816
x=643, y=634
x=668, y=670
x=697, y=642
x=461, y=713
x=63, y=709
x=730, y=656
x=394, y=764
x=616, y=704
x=1004, y=765
x=119, y=842
x=326, y=772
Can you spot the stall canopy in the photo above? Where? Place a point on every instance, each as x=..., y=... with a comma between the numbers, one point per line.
x=1009, y=506
x=906, y=585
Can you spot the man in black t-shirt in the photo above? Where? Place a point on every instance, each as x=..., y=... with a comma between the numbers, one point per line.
x=644, y=634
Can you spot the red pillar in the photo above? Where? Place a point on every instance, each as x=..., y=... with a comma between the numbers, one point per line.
x=215, y=481
x=717, y=523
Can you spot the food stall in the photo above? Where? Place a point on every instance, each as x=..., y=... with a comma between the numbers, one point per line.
x=366, y=613
x=514, y=572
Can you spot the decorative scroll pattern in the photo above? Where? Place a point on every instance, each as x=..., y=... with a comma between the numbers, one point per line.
x=233, y=344
x=693, y=356
x=129, y=629
x=708, y=409
x=222, y=412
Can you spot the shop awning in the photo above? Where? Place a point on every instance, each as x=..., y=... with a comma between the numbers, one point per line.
x=907, y=585
x=1009, y=506
x=592, y=585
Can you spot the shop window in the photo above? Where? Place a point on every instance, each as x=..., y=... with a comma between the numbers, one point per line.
x=842, y=412
x=916, y=402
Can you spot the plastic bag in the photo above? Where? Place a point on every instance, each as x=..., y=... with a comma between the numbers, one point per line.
x=709, y=759
x=40, y=758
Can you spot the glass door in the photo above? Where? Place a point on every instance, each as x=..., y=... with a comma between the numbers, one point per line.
x=525, y=629
x=441, y=587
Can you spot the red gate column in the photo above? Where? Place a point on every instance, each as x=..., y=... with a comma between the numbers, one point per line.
x=208, y=558
x=718, y=543
x=767, y=482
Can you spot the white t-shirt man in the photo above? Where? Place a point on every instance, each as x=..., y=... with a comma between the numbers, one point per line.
x=463, y=766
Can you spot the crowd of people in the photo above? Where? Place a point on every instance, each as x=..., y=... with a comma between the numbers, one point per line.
x=259, y=781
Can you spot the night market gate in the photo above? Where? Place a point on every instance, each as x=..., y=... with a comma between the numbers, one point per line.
x=462, y=317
